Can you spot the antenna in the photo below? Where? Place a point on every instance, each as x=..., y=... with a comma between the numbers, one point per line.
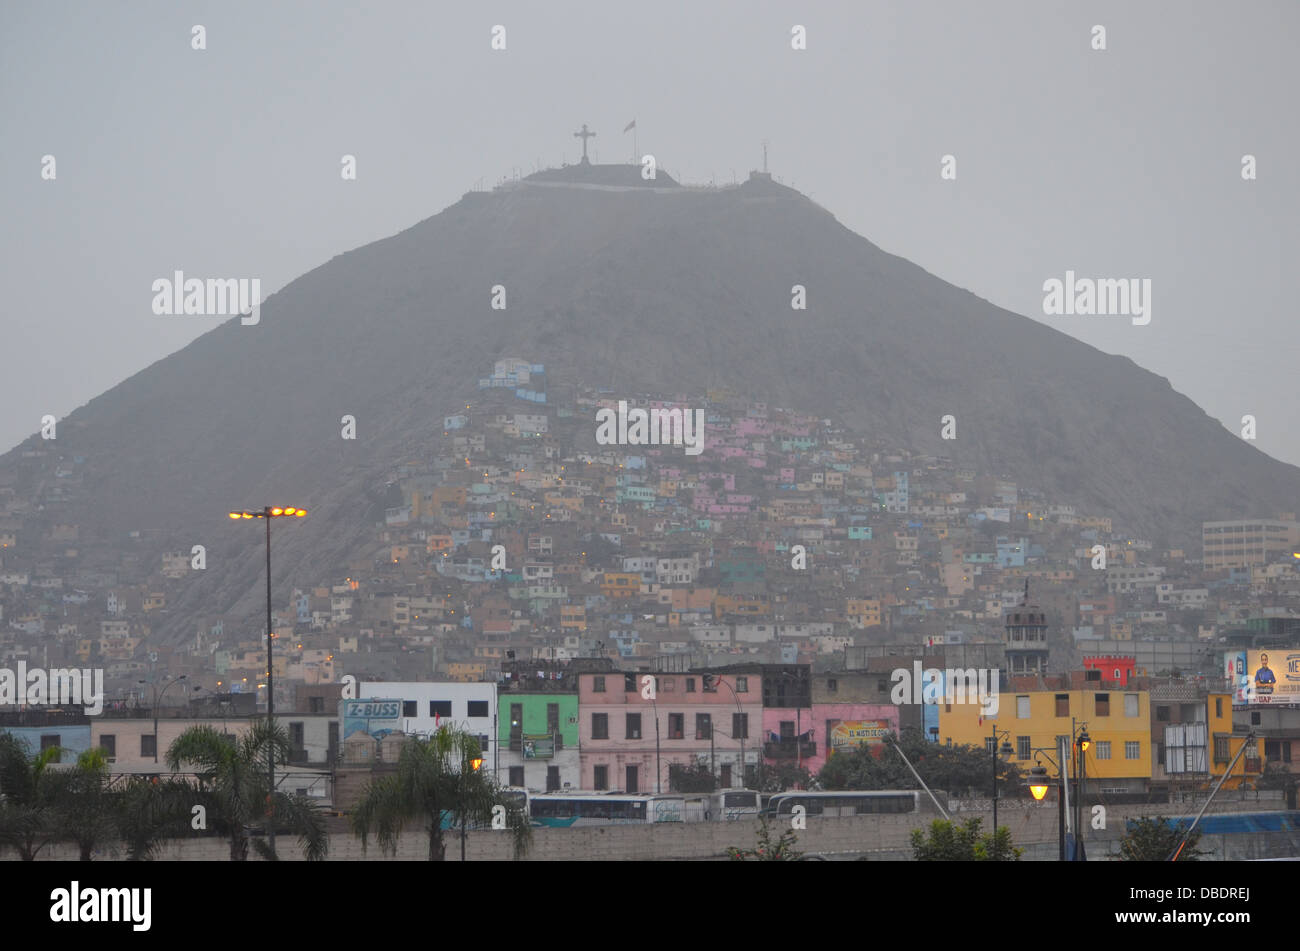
x=765, y=156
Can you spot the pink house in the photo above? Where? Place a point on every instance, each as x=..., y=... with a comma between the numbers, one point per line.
x=617, y=719
x=806, y=736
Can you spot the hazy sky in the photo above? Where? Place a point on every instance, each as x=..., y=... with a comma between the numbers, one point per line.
x=225, y=162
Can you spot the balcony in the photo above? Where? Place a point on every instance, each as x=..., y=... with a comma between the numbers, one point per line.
x=789, y=749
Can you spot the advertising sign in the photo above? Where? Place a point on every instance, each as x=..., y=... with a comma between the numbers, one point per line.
x=844, y=736
x=540, y=746
x=376, y=717
x=1272, y=676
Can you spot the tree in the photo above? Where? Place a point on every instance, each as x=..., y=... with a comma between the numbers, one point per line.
x=954, y=769
x=695, y=778
x=29, y=797
x=773, y=779
x=150, y=812
x=953, y=842
x=233, y=788
x=435, y=783
x=88, y=809
x=782, y=850
x=1154, y=839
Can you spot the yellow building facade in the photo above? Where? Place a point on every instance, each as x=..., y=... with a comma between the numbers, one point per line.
x=1118, y=722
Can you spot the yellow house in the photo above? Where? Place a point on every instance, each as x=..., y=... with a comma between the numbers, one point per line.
x=1118, y=721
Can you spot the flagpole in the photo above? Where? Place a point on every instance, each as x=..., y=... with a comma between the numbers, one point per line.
x=634, y=157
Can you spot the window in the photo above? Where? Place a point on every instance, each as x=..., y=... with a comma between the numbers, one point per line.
x=1254, y=719
x=517, y=776
x=1022, y=747
x=148, y=745
x=1221, y=752
x=478, y=708
x=552, y=718
x=50, y=740
x=726, y=775
x=1103, y=749
x=296, y=736
x=633, y=731
x=742, y=685
x=1218, y=706
x=1022, y=708
x=1132, y=749
x=690, y=685
x=316, y=704
x=740, y=726
x=439, y=708
x=483, y=742
x=703, y=726
x=1162, y=714
x=1130, y=704
x=600, y=726
x=600, y=777
x=410, y=708
x=629, y=683
x=632, y=780
x=1062, y=704
x=1102, y=703
x=552, y=779
x=598, y=683
x=676, y=726
x=832, y=686
x=108, y=743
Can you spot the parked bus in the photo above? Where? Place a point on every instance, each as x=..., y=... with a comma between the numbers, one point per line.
x=728, y=805
x=846, y=802
x=578, y=809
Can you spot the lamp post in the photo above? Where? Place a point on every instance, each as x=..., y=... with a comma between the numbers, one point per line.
x=1081, y=741
x=1038, y=783
x=269, y=513
x=157, y=699
x=1004, y=752
x=473, y=763
x=711, y=680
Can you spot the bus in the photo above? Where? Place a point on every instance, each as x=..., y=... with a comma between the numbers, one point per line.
x=579, y=809
x=728, y=805
x=846, y=802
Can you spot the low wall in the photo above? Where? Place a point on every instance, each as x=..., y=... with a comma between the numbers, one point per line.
x=1033, y=827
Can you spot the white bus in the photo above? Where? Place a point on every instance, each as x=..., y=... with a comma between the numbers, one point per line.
x=728, y=805
x=577, y=809
x=846, y=802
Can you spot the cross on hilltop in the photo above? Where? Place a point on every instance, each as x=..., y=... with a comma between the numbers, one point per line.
x=584, y=135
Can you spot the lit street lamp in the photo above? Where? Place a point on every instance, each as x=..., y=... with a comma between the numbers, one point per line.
x=269, y=513
x=475, y=764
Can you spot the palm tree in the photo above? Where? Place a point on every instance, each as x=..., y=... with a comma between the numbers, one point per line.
x=234, y=792
x=29, y=797
x=87, y=807
x=150, y=812
x=435, y=782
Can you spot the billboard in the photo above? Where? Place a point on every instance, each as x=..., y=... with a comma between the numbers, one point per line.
x=1274, y=676
x=376, y=717
x=1264, y=676
x=844, y=736
x=538, y=746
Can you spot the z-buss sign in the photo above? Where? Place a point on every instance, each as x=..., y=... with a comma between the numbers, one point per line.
x=376, y=717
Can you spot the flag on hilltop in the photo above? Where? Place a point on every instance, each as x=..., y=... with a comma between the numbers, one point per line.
x=630, y=126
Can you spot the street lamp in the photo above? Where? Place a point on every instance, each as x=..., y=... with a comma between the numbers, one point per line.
x=475, y=763
x=995, y=752
x=157, y=699
x=1039, y=782
x=1081, y=743
x=269, y=513
x=712, y=680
